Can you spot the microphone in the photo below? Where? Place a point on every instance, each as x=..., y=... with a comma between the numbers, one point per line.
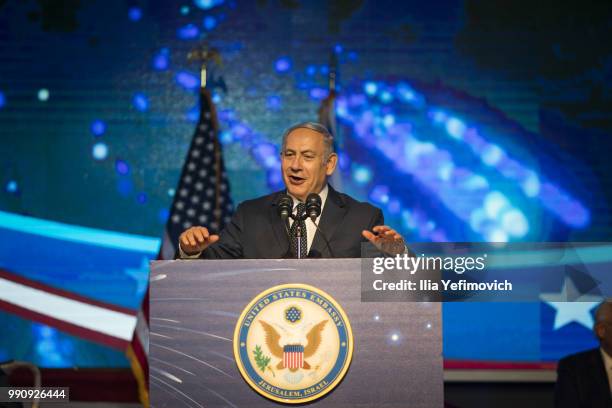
x=284, y=206
x=313, y=206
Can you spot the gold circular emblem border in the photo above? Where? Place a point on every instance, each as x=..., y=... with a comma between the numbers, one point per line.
x=349, y=332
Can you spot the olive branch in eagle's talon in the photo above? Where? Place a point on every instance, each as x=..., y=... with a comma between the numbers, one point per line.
x=261, y=360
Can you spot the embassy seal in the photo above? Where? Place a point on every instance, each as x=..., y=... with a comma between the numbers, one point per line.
x=293, y=343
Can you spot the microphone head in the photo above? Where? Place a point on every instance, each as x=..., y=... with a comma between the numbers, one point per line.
x=313, y=206
x=284, y=206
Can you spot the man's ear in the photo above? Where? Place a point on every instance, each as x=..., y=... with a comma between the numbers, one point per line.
x=331, y=164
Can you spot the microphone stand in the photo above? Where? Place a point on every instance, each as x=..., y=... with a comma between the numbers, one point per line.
x=299, y=241
x=299, y=232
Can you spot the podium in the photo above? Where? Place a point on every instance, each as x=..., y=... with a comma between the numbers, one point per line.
x=195, y=305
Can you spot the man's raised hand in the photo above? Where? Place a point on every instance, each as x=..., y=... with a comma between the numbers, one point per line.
x=196, y=239
x=386, y=239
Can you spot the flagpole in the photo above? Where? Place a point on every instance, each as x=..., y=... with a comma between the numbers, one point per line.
x=327, y=114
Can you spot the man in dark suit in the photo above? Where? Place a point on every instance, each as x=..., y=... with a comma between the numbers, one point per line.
x=257, y=231
x=585, y=379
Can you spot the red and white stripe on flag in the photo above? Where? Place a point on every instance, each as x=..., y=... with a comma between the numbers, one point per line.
x=293, y=356
x=104, y=323
x=73, y=313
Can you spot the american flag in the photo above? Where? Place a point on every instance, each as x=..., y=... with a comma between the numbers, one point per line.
x=293, y=356
x=202, y=198
x=203, y=194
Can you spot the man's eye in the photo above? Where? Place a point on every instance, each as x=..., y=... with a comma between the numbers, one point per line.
x=309, y=157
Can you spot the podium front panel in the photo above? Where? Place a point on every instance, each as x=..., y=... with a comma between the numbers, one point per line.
x=195, y=305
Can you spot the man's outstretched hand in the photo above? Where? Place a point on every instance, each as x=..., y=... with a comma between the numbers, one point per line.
x=385, y=239
x=196, y=239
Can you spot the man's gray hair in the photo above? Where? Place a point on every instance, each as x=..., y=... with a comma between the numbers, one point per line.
x=328, y=138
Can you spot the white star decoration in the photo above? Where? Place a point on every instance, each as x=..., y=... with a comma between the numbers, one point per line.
x=578, y=311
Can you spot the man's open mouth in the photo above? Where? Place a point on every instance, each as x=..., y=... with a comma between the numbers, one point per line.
x=296, y=180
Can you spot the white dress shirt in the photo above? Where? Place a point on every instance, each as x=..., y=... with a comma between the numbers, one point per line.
x=311, y=229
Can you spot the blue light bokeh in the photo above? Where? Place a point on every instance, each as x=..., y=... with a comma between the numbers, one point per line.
x=135, y=13
x=207, y=4
x=161, y=60
x=209, y=23
x=187, y=80
x=140, y=102
x=98, y=127
x=11, y=187
x=188, y=32
x=282, y=64
x=100, y=151
x=121, y=167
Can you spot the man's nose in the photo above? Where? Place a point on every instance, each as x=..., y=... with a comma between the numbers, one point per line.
x=296, y=164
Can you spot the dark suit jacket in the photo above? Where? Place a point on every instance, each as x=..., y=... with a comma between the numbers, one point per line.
x=4, y=382
x=582, y=381
x=256, y=230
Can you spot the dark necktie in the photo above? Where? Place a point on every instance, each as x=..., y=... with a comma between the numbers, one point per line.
x=299, y=246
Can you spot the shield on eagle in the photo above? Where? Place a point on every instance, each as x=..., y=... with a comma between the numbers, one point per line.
x=293, y=356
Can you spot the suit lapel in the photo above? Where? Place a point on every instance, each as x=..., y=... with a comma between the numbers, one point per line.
x=277, y=226
x=601, y=377
x=332, y=216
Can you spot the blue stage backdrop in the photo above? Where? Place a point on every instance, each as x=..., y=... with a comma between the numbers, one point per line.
x=463, y=120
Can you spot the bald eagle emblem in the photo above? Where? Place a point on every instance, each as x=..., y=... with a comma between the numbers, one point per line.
x=293, y=356
x=293, y=343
